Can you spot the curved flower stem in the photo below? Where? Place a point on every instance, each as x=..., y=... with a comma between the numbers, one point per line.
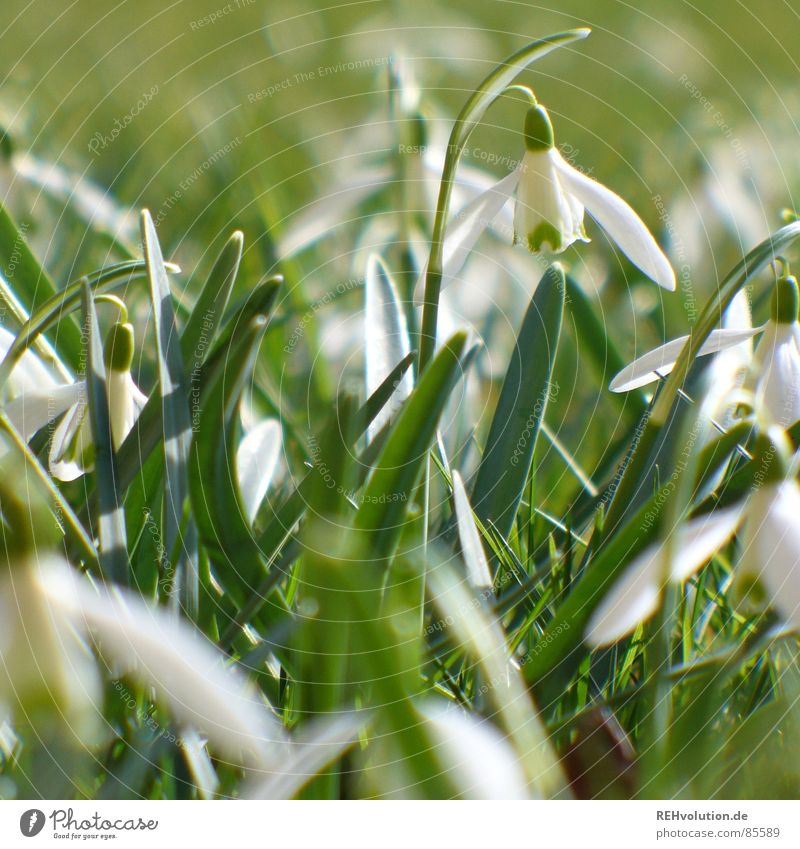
x=469, y=117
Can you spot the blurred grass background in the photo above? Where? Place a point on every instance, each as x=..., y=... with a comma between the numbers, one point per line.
x=224, y=114
x=218, y=115
x=623, y=99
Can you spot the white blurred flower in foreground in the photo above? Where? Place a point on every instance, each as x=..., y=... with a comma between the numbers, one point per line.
x=769, y=568
x=551, y=198
x=43, y=660
x=48, y=609
x=774, y=370
x=474, y=756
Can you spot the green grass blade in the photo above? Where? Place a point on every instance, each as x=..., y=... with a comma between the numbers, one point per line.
x=210, y=307
x=221, y=517
x=391, y=486
x=560, y=649
x=177, y=425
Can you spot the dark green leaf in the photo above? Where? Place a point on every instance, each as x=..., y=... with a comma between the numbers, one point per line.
x=111, y=532
x=520, y=409
x=388, y=493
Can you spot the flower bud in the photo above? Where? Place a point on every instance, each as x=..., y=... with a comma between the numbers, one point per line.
x=785, y=301
x=538, y=129
x=118, y=350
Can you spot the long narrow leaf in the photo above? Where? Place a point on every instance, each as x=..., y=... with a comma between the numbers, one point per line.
x=386, y=339
x=176, y=421
x=113, y=542
x=520, y=409
x=389, y=491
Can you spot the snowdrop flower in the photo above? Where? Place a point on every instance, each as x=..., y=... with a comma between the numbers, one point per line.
x=777, y=365
x=48, y=610
x=157, y=649
x=551, y=198
x=774, y=370
x=770, y=559
x=44, y=662
x=71, y=449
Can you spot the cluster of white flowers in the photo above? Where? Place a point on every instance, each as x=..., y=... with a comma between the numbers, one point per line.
x=47, y=609
x=551, y=199
x=767, y=382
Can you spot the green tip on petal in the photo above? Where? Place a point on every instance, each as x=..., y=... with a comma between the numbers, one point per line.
x=538, y=129
x=545, y=234
x=785, y=301
x=119, y=347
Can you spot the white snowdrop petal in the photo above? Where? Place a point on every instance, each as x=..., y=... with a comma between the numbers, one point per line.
x=29, y=374
x=634, y=597
x=188, y=673
x=311, y=749
x=774, y=545
x=660, y=361
x=473, y=754
x=34, y=410
x=778, y=388
x=621, y=223
x=466, y=226
x=74, y=425
x=471, y=182
x=699, y=539
x=121, y=410
x=728, y=371
x=630, y=601
x=256, y=460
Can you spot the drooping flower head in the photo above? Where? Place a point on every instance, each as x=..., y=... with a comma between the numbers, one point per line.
x=546, y=215
x=551, y=197
x=777, y=363
x=774, y=371
x=72, y=449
